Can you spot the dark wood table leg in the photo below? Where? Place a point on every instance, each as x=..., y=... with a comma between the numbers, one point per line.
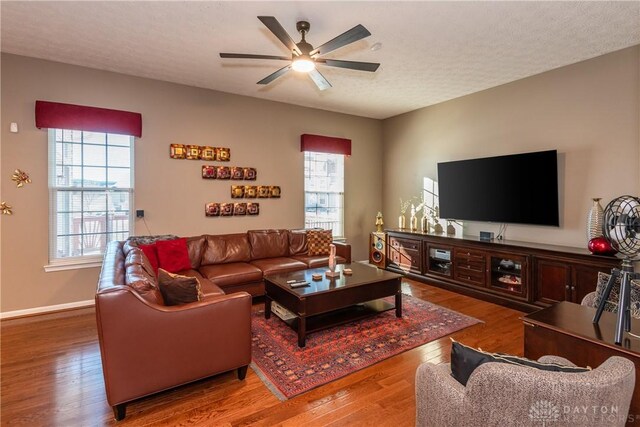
x=399, y=304
x=302, y=331
x=267, y=307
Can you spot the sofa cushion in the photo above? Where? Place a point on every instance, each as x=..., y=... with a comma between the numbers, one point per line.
x=173, y=255
x=138, y=279
x=233, y=273
x=268, y=243
x=195, y=248
x=226, y=248
x=278, y=265
x=465, y=360
x=315, y=261
x=151, y=252
x=207, y=287
x=298, y=242
x=136, y=256
x=319, y=241
x=177, y=289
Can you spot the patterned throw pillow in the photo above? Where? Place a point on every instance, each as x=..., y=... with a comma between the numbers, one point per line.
x=319, y=241
x=178, y=289
x=612, y=302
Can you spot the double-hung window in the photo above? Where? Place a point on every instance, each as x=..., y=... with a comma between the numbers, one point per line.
x=324, y=191
x=91, y=194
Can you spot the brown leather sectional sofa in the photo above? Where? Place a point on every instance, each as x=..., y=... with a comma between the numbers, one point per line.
x=148, y=347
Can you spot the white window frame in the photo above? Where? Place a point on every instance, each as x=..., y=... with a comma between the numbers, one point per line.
x=340, y=194
x=84, y=261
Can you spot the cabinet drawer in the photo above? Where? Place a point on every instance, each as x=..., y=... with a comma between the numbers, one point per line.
x=410, y=244
x=405, y=258
x=472, y=277
x=469, y=254
x=465, y=266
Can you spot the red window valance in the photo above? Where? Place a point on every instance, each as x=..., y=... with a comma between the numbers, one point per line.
x=78, y=117
x=325, y=144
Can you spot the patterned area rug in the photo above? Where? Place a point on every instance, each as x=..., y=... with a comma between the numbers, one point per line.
x=336, y=352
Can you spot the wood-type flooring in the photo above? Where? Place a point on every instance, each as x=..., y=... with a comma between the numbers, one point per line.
x=51, y=375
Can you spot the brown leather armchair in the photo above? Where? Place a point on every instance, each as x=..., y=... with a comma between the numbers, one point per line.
x=147, y=347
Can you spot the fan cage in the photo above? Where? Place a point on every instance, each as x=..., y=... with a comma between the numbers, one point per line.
x=622, y=225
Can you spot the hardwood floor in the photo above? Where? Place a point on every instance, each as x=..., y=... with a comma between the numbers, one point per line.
x=51, y=375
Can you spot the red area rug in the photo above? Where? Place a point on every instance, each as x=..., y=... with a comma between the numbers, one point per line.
x=336, y=352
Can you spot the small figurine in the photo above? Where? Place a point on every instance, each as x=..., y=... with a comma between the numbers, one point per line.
x=379, y=222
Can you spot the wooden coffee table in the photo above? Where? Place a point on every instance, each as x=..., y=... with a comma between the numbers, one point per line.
x=330, y=302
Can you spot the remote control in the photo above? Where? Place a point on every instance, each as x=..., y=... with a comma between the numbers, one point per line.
x=299, y=284
x=291, y=281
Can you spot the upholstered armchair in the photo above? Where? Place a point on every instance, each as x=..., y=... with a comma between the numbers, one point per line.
x=500, y=394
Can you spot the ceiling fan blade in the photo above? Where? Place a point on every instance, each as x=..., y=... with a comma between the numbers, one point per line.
x=271, y=77
x=251, y=56
x=319, y=79
x=274, y=26
x=353, y=65
x=353, y=35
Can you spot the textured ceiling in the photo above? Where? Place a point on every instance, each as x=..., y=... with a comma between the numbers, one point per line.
x=431, y=51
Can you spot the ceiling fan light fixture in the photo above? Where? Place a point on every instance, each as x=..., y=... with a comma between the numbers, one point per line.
x=303, y=64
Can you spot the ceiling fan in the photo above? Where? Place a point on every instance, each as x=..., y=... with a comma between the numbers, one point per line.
x=304, y=57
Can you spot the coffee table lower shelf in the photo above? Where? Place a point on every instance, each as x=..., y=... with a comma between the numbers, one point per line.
x=322, y=321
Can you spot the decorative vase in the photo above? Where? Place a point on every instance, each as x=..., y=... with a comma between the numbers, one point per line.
x=414, y=223
x=402, y=222
x=424, y=224
x=437, y=228
x=451, y=230
x=595, y=220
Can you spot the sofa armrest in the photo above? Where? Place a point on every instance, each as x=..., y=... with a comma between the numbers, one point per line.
x=343, y=250
x=439, y=397
x=147, y=348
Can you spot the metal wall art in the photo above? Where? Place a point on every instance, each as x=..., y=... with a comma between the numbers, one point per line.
x=236, y=173
x=232, y=209
x=199, y=152
x=253, y=191
x=20, y=178
x=6, y=208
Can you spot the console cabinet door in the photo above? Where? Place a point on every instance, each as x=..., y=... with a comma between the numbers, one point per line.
x=406, y=254
x=553, y=281
x=585, y=278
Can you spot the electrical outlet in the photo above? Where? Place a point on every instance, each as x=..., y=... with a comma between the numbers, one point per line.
x=140, y=213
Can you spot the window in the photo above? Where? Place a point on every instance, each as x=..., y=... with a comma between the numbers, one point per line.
x=91, y=193
x=431, y=202
x=324, y=191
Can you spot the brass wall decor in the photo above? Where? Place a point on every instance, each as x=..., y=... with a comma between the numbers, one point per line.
x=193, y=152
x=6, y=208
x=253, y=208
x=209, y=172
x=212, y=209
x=223, y=172
x=250, y=191
x=20, y=178
x=250, y=174
x=237, y=191
x=237, y=172
x=226, y=209
x=199, y=152
x=223, y=154
x=274, y=192
x=177, y=151
x=239, y=209
x=264, y=191
x=207, y=153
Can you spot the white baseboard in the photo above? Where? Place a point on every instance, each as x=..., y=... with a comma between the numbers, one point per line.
x=46, y=309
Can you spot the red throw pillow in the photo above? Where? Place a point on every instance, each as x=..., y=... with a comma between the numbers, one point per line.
x=151, y=251
x=173, y=255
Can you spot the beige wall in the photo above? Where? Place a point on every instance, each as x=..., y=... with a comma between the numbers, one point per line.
x=260, y=133
x=588, y=111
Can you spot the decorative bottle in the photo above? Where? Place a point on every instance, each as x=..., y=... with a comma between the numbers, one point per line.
x=332, y=258
x=414, y=219
x=402, y=222
x=424, y=223
x=595, y=220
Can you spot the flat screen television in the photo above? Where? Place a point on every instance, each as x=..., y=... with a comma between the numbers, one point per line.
x=518, y=188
